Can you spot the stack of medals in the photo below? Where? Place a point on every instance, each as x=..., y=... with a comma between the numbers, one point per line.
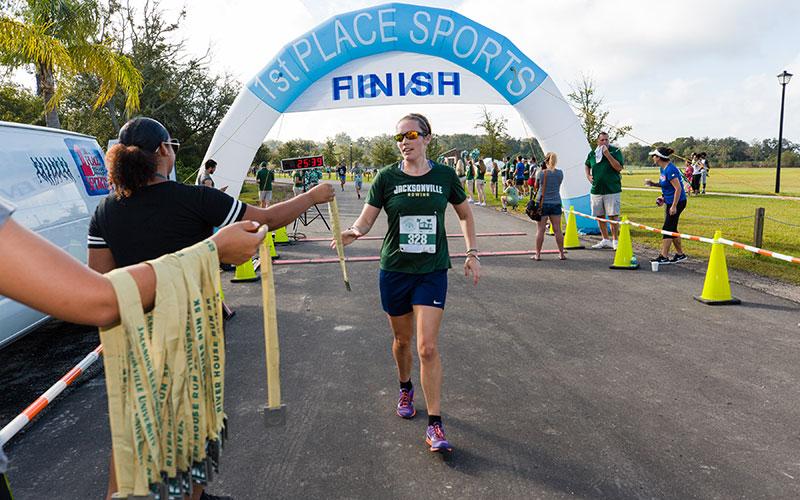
x=165, y=378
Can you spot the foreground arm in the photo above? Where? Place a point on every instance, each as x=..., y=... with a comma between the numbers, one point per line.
x=466, y=220
x=285, y=212
x=75, y=293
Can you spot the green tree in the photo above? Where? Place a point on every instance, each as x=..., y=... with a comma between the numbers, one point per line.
x=18, y=104
x=383, y=151
x=329, y=152
x=493, y=140
x=58, y=39
x=594, y=118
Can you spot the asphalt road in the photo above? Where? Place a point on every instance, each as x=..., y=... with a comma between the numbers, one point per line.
x=562, y=380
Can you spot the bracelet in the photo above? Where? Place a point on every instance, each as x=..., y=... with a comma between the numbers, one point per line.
x=472, y=250
x=474, y=256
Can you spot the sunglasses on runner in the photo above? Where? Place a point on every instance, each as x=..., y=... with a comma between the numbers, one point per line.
x=174, y=143
x=410, y=135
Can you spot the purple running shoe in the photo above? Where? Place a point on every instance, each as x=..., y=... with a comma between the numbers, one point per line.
x=405, y=404
x=434, y=436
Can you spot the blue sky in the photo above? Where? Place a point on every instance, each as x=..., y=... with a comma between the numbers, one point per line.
x=670, y=69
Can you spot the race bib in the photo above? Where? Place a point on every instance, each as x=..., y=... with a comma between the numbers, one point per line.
x=418, y=233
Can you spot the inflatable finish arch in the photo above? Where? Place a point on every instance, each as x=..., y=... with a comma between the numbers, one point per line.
x=400, y=54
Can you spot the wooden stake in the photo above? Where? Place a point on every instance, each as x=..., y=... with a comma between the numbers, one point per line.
x=336, y=228
x=270, y=328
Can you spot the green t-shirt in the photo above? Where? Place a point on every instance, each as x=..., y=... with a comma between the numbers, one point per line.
x=470, y=172
x=265, y=177
x=606, y=179
x=298, y=179
x=416, y=241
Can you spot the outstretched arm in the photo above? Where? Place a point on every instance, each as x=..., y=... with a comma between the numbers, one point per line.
x=285, y=212
x=75, y=293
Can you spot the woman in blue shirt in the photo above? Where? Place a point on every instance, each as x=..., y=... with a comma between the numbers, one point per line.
x=675, y=198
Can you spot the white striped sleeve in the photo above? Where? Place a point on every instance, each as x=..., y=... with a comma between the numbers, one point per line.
x=235, y=213
x=96, y=242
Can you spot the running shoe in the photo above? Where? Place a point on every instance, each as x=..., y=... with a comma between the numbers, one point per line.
x=614, y=244
x=434, y=436
x=603, y=244
x=405, y=404
x=660, y=259
x=678, y=257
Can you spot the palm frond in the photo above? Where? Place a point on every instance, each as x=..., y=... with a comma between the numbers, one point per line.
x=22, y=43
x=112, y=69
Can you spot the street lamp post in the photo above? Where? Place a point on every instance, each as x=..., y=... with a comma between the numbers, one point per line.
x=783, y=79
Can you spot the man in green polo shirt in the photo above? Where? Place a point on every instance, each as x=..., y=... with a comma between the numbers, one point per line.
x=265, y=176
x=603, y=167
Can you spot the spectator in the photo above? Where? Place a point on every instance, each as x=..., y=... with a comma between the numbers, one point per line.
x=299, y=179
x=480, y=182
x=675, y=202
x=495, y=172
x=548, y=193
x=703, y=171
x=697, y=174
x=519, y=175
x=204, y=179
x=603, y=167
x=461, y=172
x=265, y=176
x=510, y=196
x=470, y=180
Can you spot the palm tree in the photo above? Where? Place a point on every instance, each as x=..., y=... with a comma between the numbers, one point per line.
x=56, y=38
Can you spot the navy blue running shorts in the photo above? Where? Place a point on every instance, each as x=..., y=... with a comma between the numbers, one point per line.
x=401, y=291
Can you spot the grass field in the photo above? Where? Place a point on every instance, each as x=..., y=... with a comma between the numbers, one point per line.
x=704, y=214
x=730, y=180
x=735, y=217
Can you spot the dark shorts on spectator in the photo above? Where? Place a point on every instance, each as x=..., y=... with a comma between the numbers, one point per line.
x=551, y=209
x=671, y=221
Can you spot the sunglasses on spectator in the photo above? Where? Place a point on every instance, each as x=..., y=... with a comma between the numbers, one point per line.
x=410, y=135
x=174, y=143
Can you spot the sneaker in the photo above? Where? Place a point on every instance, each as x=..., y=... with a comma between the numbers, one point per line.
x=434, y=436
x=504, y=210
x=405, y=404
x=604, y=243
x=470, y=200
x=660, y=259
x=678, y=257
x=614, y=244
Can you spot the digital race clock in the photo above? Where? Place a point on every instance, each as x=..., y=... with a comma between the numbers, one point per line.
x=302, y=162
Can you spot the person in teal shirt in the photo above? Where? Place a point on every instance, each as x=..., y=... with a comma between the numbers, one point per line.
x=414, y=261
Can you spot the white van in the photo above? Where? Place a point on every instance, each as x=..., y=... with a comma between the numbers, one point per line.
x=55, y=178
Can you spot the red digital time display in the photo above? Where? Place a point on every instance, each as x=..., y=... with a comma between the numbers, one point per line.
x=302, y=162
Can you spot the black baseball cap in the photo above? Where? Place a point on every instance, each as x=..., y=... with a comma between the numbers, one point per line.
x=146, y=133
